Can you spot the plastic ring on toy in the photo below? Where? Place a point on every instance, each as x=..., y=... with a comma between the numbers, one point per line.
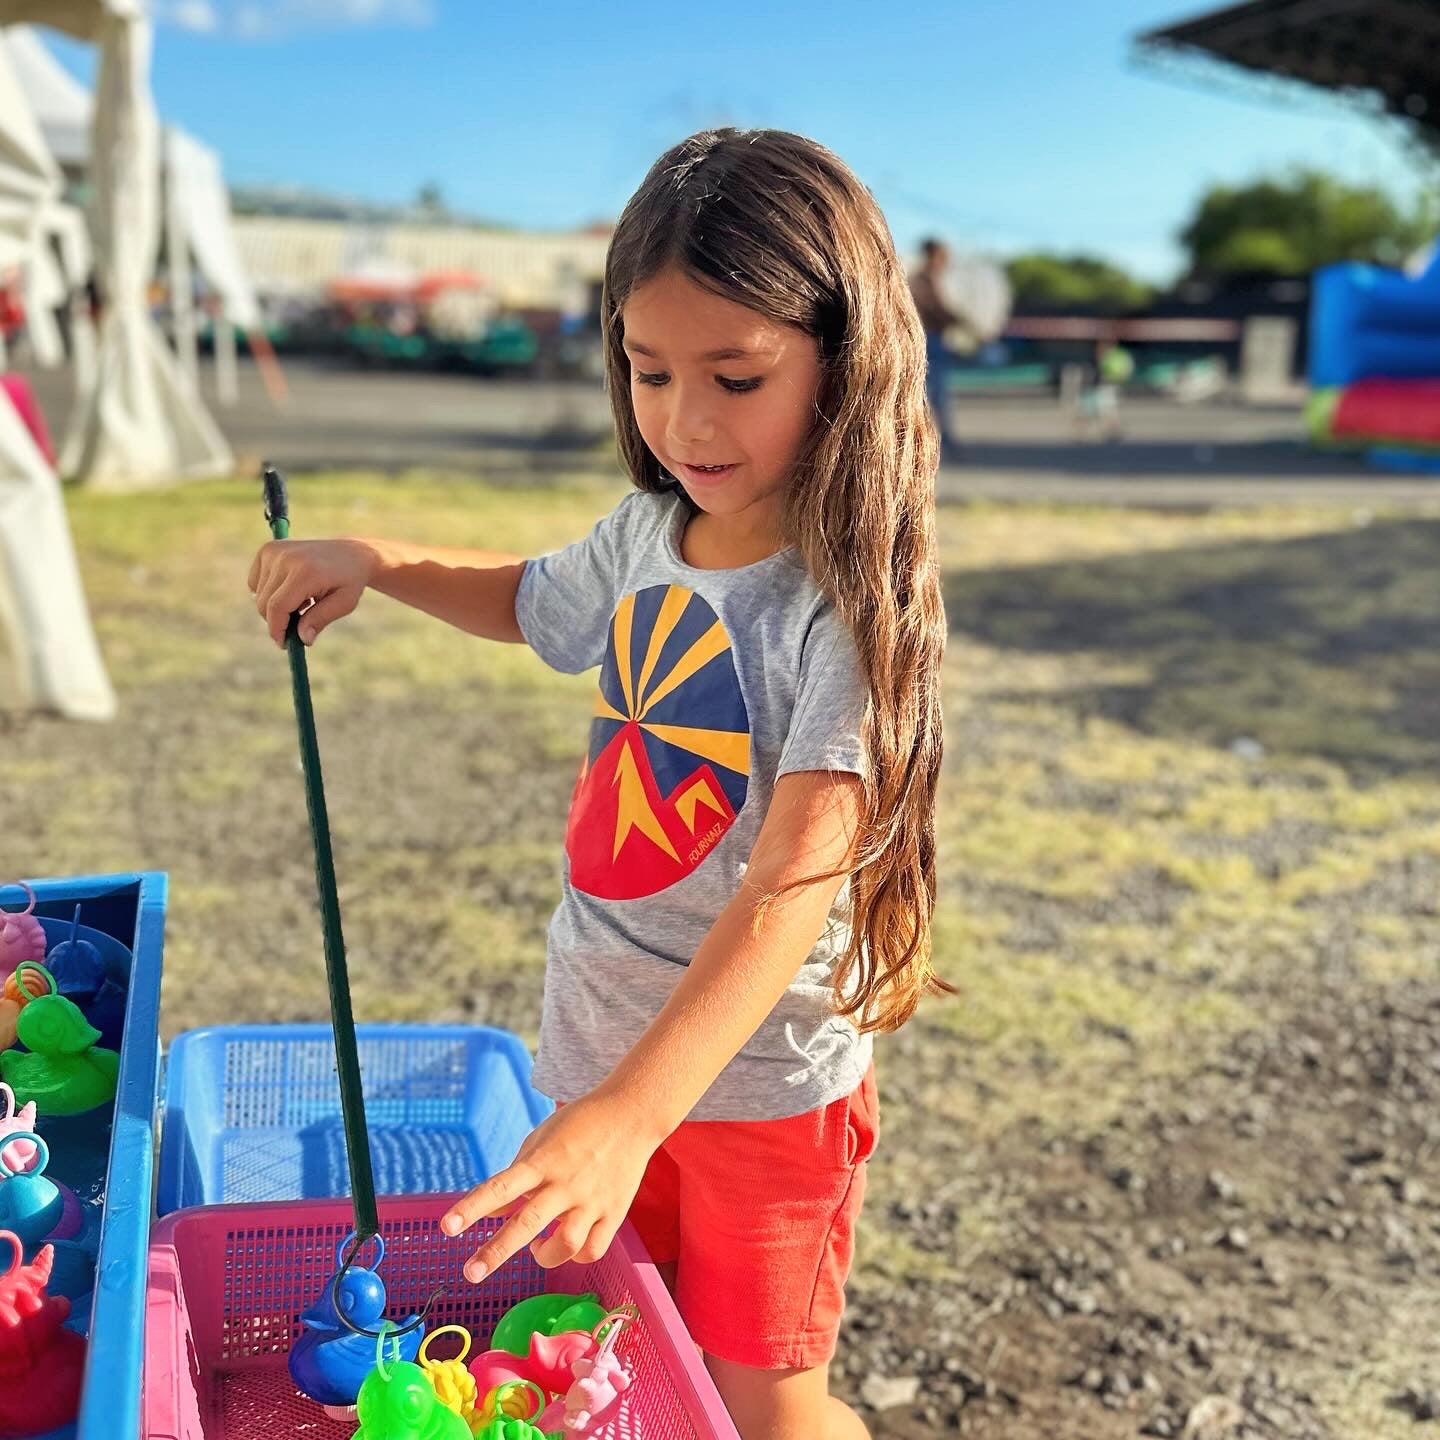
x=21, y=885
x=341, y=1263
x=39, y=970
x=38, y=1168
x=497, y=1397
x=423, y=1358
x=19, y=1258
x=618, y=1318
x=387, y=1332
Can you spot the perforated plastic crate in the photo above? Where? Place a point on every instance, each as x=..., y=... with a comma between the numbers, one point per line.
x=227, y=1282
x=252, y=1112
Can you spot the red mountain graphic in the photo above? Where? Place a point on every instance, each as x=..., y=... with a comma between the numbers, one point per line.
x=625, y=839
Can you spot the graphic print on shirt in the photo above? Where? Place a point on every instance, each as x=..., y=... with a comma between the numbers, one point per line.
x=669, y=760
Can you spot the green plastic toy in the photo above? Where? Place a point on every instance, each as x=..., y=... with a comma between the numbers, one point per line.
x=66, y=1071
x=508, y=1427
x=539, y=1313
x=398, y=1402
x=504, y=1426
x=584, y=1315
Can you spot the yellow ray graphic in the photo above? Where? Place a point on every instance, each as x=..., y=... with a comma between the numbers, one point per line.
x=699, y=793
x=730, y=748
x=712, y=643
x=673, y=607
x=633, y=811
x=624, y=618
x=605, y=710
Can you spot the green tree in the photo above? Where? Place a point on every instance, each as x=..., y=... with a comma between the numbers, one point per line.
x=430, y=200
x=1291, y=225
x=1042, y=278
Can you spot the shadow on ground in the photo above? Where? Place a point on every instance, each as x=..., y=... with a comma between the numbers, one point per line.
x=1262, y=461
x=1323, y=646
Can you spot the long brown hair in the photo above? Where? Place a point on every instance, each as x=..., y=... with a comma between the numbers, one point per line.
x=777, y=223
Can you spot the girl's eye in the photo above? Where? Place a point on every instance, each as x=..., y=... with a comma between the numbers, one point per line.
x=642, y=379
x=740, y=387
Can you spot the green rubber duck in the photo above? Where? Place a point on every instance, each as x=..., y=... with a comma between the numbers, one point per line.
x=398, y=1402
x=66, y=1071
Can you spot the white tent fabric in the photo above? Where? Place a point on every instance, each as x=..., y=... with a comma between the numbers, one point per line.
x=45, y=238
x=62, y=105
x=29, y=178
x=203, y=203
x=65, y=109
x=45, y=292
x=55, y=661
x=142, y=423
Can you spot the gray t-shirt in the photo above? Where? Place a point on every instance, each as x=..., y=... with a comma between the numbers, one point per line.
x=712, y=684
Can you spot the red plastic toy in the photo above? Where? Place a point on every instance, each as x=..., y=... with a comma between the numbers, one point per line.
x=41, y=1363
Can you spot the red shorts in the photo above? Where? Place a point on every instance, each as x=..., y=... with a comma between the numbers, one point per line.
x=760, y=1216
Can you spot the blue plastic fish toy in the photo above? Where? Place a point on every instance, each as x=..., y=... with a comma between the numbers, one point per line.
x=329, y=1362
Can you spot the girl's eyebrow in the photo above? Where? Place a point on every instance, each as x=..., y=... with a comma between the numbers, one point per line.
x=733, y=352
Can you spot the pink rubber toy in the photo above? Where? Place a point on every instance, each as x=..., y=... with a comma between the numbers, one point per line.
x=599, y=1383
x=19, y=1155
x=550, y=1363
x=22, y=937
x=553, y=1358
x=493, y=1368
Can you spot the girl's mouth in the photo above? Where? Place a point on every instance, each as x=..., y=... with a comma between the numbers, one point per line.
x=707, y=474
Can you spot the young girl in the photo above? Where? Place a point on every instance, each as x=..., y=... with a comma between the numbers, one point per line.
x=749, y=871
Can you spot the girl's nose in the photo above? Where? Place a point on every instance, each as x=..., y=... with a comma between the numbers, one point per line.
x=691, y=422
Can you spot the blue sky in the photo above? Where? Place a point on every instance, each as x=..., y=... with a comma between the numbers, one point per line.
x=1003, y=124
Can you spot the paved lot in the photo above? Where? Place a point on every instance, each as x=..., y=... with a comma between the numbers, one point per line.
x=1018, y=447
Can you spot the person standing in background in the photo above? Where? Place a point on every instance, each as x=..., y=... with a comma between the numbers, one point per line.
x=1097, y=407
x=936, y=316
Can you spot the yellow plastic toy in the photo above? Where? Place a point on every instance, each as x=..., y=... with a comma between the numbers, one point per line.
x=454, y=1384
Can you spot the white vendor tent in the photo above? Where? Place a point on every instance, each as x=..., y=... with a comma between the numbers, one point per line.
x=41, y=237
x=55, y=663
x=141, y=421
x=54, y=660
x=63, y=107
x=196, y=198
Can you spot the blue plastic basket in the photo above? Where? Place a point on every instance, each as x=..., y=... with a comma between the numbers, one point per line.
x=252, y=1112
x=129, y=909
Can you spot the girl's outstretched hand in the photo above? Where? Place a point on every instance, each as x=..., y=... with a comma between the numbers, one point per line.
x=327, y=576
x=581, y=1167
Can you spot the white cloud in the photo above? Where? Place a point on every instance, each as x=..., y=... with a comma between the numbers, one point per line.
x=250, y=21
x=253, y=19
x=196, y=15
x=357, y=12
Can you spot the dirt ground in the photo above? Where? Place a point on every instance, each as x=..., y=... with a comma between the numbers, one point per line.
x=1169, y=1165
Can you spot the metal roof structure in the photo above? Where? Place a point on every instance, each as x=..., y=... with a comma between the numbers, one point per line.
x=1383, y=54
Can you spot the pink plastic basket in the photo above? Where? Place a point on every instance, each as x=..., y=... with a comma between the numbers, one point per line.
x=227, y=1282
